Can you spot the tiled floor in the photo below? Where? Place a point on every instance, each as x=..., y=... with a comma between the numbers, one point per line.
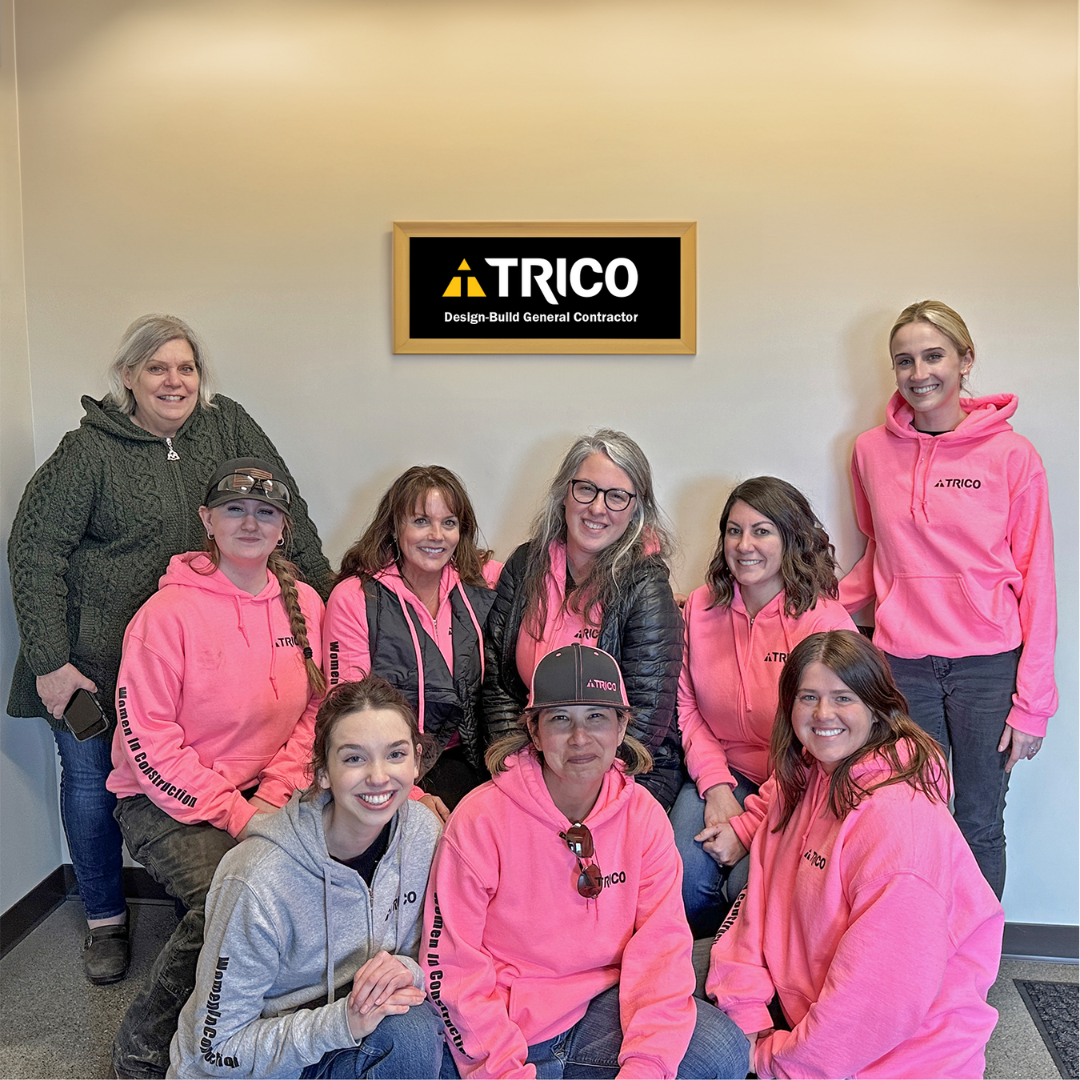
x=54, y=1024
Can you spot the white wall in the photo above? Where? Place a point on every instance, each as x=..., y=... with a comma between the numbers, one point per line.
x=29, y=810
x=240, y=163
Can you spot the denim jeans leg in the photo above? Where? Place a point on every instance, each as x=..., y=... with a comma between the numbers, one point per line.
x=718, y=1049
x=703, y=878
x=86, y=809
x=980, y=690
x=591, y=1047
x=403, y=1046
x=964, y=704
x=183, y=858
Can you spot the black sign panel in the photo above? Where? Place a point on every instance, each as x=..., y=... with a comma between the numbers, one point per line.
x=546, y=287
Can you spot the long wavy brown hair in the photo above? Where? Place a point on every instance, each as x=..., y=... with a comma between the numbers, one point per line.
x=865, y=671
x=807, y=566
x=377, y=546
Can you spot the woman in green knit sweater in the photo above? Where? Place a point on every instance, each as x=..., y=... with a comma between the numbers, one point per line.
x=94, y=531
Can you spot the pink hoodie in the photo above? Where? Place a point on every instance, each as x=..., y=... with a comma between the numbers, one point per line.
x=961, y=553
x=878, y=932
x=345, y=629
x=213, y=697
x=728, y=687
x=514, y=954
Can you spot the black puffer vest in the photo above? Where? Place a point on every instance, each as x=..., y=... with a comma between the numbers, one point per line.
x=450, y=699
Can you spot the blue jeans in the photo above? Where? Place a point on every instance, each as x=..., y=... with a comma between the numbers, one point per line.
x=964, y=703
x=183, y=858
x=409, y=1045
x=86, y=810
x=591, y=1047
x=708, y=888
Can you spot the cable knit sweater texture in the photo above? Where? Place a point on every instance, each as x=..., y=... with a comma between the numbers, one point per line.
x=96, y=528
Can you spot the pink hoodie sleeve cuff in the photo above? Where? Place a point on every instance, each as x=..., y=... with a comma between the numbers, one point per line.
x=240, y=813
x=712, y=775
x=745, y=827
x=641, y=1068
x=274, y=792
x=1025, y=722
x=750, y=1019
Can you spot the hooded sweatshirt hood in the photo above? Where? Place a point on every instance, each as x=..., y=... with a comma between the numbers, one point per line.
x=287, y=927
x=517, y=954
x=213, y=697
x=960, y=556
x=728, y=687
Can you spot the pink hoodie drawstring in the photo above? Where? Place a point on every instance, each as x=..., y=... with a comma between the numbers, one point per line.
x=273, y=651
x=476, y=627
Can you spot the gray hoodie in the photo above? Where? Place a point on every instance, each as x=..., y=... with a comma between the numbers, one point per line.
x=287, y=928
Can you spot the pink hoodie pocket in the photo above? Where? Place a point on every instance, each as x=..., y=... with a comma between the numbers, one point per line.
x=934, y=615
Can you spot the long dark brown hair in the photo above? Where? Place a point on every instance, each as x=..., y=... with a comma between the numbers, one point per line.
x=865, y=671
x=807, y=565
x=377, y=546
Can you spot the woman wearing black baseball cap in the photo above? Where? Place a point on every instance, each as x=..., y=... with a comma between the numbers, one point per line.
x=555, y=932
x=216, y=700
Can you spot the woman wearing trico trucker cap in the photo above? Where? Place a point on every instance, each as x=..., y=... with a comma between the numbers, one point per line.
x=216, y=702
x=555, y=937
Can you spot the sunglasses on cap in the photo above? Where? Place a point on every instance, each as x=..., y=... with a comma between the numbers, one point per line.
x=590, y=880
x=246, y=484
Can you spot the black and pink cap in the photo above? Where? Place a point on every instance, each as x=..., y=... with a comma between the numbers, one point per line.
x=577, y=675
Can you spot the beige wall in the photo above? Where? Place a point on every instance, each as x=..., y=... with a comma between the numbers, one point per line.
x=241, y=163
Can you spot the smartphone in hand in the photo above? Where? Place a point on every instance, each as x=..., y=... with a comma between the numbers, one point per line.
x=84, y=715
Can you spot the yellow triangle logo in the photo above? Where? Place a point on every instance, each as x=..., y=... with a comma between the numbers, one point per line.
x=473, y=286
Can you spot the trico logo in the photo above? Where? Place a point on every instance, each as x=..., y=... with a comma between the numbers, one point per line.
x=956, y=483
x=601, y=684
x=584, y=277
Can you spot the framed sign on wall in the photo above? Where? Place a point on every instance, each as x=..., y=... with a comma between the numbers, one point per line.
x=545, y=287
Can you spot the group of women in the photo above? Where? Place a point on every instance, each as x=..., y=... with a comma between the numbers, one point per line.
x=437, y=667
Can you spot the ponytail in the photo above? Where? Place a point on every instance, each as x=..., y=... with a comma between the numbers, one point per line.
x=285, y=572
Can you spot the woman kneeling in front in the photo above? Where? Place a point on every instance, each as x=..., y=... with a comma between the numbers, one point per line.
x=540, y=962
x=866, y=911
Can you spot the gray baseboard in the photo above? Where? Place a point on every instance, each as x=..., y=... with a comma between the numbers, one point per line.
x=1041, y=941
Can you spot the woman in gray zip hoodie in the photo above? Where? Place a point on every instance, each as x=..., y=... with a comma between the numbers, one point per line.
x=309, y=963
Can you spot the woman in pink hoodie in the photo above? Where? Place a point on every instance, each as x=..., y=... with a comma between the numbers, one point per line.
x=866, y=913
x=771, y=582
x=540, y=962
x=960, y=559
x=410, y=605
x=216, y=701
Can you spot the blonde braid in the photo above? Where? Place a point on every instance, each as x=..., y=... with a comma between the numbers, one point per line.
x=285, y=572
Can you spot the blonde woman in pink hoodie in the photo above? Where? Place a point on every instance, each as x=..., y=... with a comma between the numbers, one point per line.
x=866, y=913
x=410, y=605
x=554, y=941
x=960, y=559
x=771, y=582
x=216, y=702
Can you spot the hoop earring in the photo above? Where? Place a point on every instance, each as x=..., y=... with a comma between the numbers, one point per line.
x=281, y=541
x=209, y=536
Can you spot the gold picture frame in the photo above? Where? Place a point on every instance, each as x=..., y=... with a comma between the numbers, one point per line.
x=404, y=231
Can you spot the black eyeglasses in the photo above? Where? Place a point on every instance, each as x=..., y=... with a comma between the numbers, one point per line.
x=579, y=840
x=585, y=492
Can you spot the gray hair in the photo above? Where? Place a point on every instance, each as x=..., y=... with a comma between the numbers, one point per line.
x=141, y=340
x=647, y=533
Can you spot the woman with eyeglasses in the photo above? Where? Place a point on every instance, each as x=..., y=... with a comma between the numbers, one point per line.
x=94, y=532
x=555, y=942
x=771, y=582
x=594, y=572
x=216, y=699
x=410, y=605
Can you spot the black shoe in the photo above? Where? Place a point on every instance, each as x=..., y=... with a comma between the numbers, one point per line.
x=106, y=953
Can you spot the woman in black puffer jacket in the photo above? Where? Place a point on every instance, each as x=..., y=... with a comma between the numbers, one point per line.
x=595, y=571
